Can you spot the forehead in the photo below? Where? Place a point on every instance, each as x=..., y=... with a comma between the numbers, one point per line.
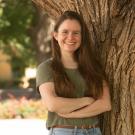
x=70, y=24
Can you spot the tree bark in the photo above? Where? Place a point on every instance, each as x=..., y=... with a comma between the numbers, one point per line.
x=112, y=27
x=40, y=34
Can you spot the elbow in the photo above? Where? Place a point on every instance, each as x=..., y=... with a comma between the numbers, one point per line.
x=51, y=108
x=56, y=109
x=108, y=107
x=50, y=105
x=105, y=105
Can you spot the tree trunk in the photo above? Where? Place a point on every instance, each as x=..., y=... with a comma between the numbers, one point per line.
x=41, y=35
x=112, y=27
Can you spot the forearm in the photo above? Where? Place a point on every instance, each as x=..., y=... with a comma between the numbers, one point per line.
x=94, y=109
x=61, y=104
x=67, y=105
x=99, y=106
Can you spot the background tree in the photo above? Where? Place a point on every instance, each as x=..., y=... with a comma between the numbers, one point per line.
x=23, y=34
x=112, y=27
x=40, y=34
x=14, y=38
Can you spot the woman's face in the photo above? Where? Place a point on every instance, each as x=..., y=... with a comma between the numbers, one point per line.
x=69, y=36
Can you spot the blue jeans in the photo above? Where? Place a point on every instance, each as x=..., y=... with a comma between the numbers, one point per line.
x=75, y=131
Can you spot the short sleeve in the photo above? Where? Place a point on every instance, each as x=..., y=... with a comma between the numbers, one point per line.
x=44, y=73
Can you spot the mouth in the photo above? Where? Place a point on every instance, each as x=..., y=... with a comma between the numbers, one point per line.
x=73, y=43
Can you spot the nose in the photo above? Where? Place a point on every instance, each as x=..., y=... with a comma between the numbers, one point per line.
x=71, y=36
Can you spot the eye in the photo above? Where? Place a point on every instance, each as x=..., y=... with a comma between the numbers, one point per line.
x=77, y=33
x=64, y=32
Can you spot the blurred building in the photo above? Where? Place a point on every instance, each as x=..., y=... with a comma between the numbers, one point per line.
x=5, y=67
x=6, y=74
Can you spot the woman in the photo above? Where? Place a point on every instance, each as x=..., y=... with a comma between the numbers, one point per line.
x=72, y=83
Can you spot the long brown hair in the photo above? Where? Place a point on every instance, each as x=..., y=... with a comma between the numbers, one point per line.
x=88, y=65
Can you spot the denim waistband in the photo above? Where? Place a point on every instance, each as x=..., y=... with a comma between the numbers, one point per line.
x=75, y=131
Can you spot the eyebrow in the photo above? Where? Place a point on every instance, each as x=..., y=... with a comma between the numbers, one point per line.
x=73, y=30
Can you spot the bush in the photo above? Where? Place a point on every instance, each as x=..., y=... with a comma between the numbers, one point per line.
x=22, y=108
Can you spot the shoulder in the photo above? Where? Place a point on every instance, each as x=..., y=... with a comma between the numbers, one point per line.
x=44, y=72
x=44, y=69
x=45, y=64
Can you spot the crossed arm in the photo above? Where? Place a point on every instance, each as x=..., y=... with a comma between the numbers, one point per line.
x=74, y=107
x=99, y=106
x=60, y=104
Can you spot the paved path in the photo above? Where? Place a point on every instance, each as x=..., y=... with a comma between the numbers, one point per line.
x=23, y=127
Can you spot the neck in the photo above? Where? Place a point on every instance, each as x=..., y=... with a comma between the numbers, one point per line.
x=68, y=60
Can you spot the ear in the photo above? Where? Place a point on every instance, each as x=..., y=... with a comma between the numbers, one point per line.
x=55, y=35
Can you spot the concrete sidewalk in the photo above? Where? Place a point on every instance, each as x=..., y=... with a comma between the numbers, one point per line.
x=23, y=127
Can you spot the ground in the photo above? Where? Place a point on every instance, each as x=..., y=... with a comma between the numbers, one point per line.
x=23, y=127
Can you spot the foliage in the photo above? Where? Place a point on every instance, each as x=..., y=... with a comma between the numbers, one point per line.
x=16, y=18
x=22, y=108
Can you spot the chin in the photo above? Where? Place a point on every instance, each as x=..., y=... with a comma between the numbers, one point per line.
x=71, y=49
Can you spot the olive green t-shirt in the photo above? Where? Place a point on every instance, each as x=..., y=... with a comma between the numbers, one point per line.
x=44, y=74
